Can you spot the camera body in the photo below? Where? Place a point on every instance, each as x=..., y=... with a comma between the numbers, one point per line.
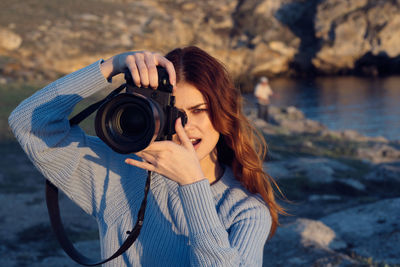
x=130, y=121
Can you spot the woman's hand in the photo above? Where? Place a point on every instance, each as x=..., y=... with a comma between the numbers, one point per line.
x=177, y=162
x=141, y=64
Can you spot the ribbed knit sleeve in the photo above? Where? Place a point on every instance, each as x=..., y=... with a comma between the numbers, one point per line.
x=80, y=165
x=211, y=244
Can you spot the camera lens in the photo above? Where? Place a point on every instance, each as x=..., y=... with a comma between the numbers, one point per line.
x=128, y=123
x=130, y=120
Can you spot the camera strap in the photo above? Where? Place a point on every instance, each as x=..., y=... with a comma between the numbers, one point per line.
x=92, y=108
x=54, y=209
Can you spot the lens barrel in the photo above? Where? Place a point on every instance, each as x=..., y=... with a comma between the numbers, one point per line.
x=128, y=123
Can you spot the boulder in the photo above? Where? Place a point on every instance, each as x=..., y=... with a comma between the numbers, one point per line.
x=371, y=231
x=355, y=34
x=317, y=170
x=304, y=242
x=385, y=173
x=352, y=183
x=293, y=120
x=9, y=40
x=277, y=169
x=379, y=153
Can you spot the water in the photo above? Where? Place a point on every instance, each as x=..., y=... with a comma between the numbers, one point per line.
x=369, y=106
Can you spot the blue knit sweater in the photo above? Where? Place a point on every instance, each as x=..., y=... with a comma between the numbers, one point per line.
x=192, y=225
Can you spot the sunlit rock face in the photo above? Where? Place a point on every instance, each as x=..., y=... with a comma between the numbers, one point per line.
x=360, y=35
x=252, y=37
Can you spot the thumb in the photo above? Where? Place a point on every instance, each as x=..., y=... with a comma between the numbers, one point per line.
x=182, y=134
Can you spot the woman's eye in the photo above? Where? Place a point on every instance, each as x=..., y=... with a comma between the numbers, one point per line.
x=199, y=110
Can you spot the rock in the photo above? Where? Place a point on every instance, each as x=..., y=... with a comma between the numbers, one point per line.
x=316, y=234
x=318, y=170
x=3, y=80
x=388, y=18
x=303, y=243
x=328, y=11
x=289, y=113
x=89, y=17
x=271, y=59
x=292, y=119
x=352, y=30
x=331, y=134
x=9, y=40
x=372, y=230
x=253, y=38
x=318, y=198
x=379, y=153
x=385, y=173
x=277, y=170
x=351, y=135
x=315, y=172
x=355, y=184
x=90, y=249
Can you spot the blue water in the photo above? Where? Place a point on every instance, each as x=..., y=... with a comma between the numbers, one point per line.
x=369, y=106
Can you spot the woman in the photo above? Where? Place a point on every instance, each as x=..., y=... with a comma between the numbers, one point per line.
x=204, y=206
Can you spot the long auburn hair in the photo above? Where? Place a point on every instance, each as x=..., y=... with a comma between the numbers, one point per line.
x=240, y=145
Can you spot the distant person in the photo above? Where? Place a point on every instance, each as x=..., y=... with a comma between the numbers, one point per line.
x=263, y=92
x=210, y=201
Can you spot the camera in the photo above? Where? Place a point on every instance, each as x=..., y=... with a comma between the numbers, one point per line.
x=130, y=121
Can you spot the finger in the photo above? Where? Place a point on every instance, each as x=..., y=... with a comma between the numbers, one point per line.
x=176, y=140
x=140, y=164
x=147, y=156
x=157, y=147
x=131, y=64
x=164, y=62
x=143, y=71
x=182, y=135
x=152, y=69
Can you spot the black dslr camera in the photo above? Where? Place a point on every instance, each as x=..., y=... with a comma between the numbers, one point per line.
x=130, y=121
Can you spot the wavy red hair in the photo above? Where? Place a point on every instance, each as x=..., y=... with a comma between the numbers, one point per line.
x=240, y=145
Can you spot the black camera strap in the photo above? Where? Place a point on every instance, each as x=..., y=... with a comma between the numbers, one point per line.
x=92, y=108
x=54, y=209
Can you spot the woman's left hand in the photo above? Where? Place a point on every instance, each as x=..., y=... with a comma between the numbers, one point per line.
x=177, y=162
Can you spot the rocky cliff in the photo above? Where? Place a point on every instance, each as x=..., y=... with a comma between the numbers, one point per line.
x=43, y=39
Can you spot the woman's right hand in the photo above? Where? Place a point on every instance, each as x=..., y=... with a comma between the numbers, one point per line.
x=141, y=64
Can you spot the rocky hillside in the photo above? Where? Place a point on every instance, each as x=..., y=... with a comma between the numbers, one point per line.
x=42, y=39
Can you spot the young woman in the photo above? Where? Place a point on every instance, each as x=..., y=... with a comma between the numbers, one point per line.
x=210, y=202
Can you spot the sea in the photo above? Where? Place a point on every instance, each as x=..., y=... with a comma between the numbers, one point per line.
x=370, y=106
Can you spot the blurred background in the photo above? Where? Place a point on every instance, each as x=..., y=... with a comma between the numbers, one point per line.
x=333, y=132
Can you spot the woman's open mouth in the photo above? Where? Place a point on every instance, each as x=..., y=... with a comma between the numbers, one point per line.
x=195, y=142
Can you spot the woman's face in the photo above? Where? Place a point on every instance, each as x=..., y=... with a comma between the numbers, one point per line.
x=199, y=128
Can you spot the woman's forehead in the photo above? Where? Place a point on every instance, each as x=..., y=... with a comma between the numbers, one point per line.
x=187, y=95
